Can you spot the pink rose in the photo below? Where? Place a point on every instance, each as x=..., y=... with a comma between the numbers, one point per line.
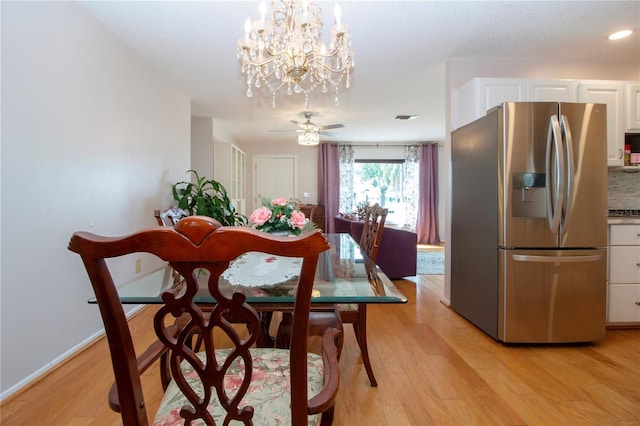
x=298, y=219
x=260, y=216
x=279, y=201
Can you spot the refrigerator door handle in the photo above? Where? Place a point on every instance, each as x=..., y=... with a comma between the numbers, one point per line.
x=554, y=207
x=569, y=174
x=557, y=259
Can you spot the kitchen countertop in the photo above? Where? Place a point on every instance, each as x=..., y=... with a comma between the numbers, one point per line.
x=623, y=220
x=623, y=216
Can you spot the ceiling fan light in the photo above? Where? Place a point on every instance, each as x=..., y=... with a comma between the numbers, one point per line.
x=309, y=138
x=620, y=34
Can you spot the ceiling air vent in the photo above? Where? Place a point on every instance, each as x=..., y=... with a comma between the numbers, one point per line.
x=404, y=117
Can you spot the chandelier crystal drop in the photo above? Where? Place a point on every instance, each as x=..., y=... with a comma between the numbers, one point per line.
x=309, y=137
x=284, y=49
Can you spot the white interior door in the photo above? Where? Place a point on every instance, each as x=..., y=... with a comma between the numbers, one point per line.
x=274, y=176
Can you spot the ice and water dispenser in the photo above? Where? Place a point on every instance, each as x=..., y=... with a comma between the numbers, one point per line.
x=528, y=195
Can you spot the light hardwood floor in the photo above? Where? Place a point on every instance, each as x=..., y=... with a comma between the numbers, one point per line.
x=432, y=367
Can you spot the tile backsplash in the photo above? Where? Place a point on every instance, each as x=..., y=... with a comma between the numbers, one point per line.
x=624, y=190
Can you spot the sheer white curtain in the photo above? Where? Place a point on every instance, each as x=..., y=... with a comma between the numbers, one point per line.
x=346, y=178
x=411, y=186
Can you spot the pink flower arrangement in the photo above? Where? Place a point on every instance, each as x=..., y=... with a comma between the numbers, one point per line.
x=279, y=215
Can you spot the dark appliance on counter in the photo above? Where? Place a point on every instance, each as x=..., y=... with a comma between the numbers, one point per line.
x=633, y=140
x=529, y=224
x=632, y=149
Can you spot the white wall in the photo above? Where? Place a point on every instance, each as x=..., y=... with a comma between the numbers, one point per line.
x=463, y=69
x=92, y=139
x=205, y=132
x=201, y=147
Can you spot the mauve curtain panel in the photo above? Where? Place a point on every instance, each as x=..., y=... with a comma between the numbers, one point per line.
x=427, y=226
x=329, y=183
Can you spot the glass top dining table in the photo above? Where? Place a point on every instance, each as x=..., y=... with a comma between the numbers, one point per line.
x=342, y=276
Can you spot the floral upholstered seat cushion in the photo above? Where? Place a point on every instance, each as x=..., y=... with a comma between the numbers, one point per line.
x=269, y=393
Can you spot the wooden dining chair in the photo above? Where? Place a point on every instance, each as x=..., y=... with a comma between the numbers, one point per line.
x=170, y=217
x=356, y=314
x=217, y=385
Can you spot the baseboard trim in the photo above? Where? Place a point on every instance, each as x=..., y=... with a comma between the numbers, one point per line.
x=24, y=384
x=623, y=326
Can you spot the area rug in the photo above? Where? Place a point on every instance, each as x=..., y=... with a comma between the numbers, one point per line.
x=430, y=262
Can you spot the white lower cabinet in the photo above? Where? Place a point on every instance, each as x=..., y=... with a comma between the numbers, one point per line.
x=624, y=275
x=624, y=303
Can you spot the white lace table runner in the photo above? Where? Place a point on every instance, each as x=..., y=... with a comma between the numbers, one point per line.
x=255, y=269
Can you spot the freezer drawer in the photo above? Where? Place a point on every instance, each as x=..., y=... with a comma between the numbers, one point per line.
x=552, y=296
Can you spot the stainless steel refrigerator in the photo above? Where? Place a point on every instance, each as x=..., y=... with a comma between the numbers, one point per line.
x=529, y=226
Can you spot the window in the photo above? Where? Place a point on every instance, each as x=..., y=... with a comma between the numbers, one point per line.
x=380, y=181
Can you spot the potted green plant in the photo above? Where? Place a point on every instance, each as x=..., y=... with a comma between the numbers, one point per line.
x=207, y=197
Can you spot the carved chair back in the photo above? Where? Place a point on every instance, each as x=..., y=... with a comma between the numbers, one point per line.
x=375, y=217
x=198, y=244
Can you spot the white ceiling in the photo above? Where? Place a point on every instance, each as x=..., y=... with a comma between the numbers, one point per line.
x=400, y=51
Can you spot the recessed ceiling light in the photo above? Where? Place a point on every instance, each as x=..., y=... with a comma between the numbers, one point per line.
x=620, y=34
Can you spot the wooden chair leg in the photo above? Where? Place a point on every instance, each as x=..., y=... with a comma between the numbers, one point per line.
x=319, y=321
x=284, y=331
x=165, y=370
x=360, y=329
x=327, y=416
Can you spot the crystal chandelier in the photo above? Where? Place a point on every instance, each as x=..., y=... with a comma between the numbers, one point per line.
x=309, y=137
x=286, y=51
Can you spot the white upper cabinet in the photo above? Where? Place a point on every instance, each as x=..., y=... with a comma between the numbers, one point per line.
x=475, y=97
x=610, y=93
x=479, y=95
x=632, y=107
x=551, y=90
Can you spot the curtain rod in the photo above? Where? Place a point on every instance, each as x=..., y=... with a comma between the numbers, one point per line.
x=378, y=145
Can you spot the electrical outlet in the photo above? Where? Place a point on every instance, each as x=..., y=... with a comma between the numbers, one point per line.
x=138, y=266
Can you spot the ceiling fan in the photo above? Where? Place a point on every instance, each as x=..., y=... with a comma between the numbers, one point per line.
x=309, y=127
